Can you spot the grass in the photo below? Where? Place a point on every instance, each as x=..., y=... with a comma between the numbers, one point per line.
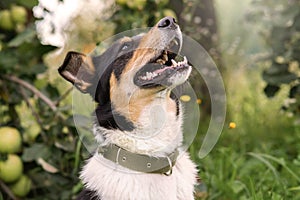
x=260, y=158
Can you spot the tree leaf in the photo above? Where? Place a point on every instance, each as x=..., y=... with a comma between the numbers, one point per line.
x=28, y=3
x=35, y=152
x=27, y=36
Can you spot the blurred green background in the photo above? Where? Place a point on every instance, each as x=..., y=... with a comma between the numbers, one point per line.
x=255, y=44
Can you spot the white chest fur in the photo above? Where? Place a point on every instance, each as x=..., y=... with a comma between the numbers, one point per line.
x=113, y=182
x=157, y=133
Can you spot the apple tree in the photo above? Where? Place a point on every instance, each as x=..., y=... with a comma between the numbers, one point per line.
x=30, y=104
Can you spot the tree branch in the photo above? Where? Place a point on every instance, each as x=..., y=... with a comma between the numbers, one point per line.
x=8, y=191
x=33, y=89
x=36, y=116
x=63, y=96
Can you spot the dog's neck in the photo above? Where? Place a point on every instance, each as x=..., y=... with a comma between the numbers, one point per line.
x=158, y=131
x=111, y=180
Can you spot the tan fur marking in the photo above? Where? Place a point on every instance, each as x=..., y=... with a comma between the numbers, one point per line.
x=132, y=106
x=113, y=84
x=140, y=58
x=139, y=101
x=147, y=49
x=151, y=40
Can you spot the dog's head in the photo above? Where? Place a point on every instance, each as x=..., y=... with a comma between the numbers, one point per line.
x=131, y=74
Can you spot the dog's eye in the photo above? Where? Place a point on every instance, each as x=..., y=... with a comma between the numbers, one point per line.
x=125, y=46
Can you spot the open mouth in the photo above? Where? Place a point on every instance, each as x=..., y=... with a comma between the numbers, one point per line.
x=158, y=71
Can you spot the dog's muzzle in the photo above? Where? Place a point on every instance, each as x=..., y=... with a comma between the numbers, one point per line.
x=167, y=68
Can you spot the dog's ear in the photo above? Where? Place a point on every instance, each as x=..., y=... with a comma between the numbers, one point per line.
x=78, y=69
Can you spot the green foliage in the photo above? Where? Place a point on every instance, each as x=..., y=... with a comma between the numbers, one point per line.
x=281, y=32
x=140, y=13
x=259, y=159
x=30, y=103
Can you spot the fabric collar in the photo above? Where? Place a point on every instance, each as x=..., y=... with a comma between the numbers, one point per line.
x=139, y=162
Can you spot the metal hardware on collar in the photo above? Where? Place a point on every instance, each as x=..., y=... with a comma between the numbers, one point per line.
x=117, y=157
x=169, y=173
x=139, y=162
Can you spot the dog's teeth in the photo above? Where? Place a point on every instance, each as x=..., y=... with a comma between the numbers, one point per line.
x=175, y=41
x=185, y=60
x=143, y=77
x=174, y=63
x=148, y=75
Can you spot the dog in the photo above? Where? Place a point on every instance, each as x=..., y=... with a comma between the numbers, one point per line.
x=138, y=118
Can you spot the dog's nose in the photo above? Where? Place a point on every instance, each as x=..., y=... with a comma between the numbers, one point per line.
x=167, y=22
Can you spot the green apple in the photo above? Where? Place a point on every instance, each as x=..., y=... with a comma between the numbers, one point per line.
x=18, y=14
x=10, y=140
x=163, y=2
x=136, y=4
x=121, y=2
x=11, y=169
x=6, y=22
x=169, y=12
x=21, y=187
